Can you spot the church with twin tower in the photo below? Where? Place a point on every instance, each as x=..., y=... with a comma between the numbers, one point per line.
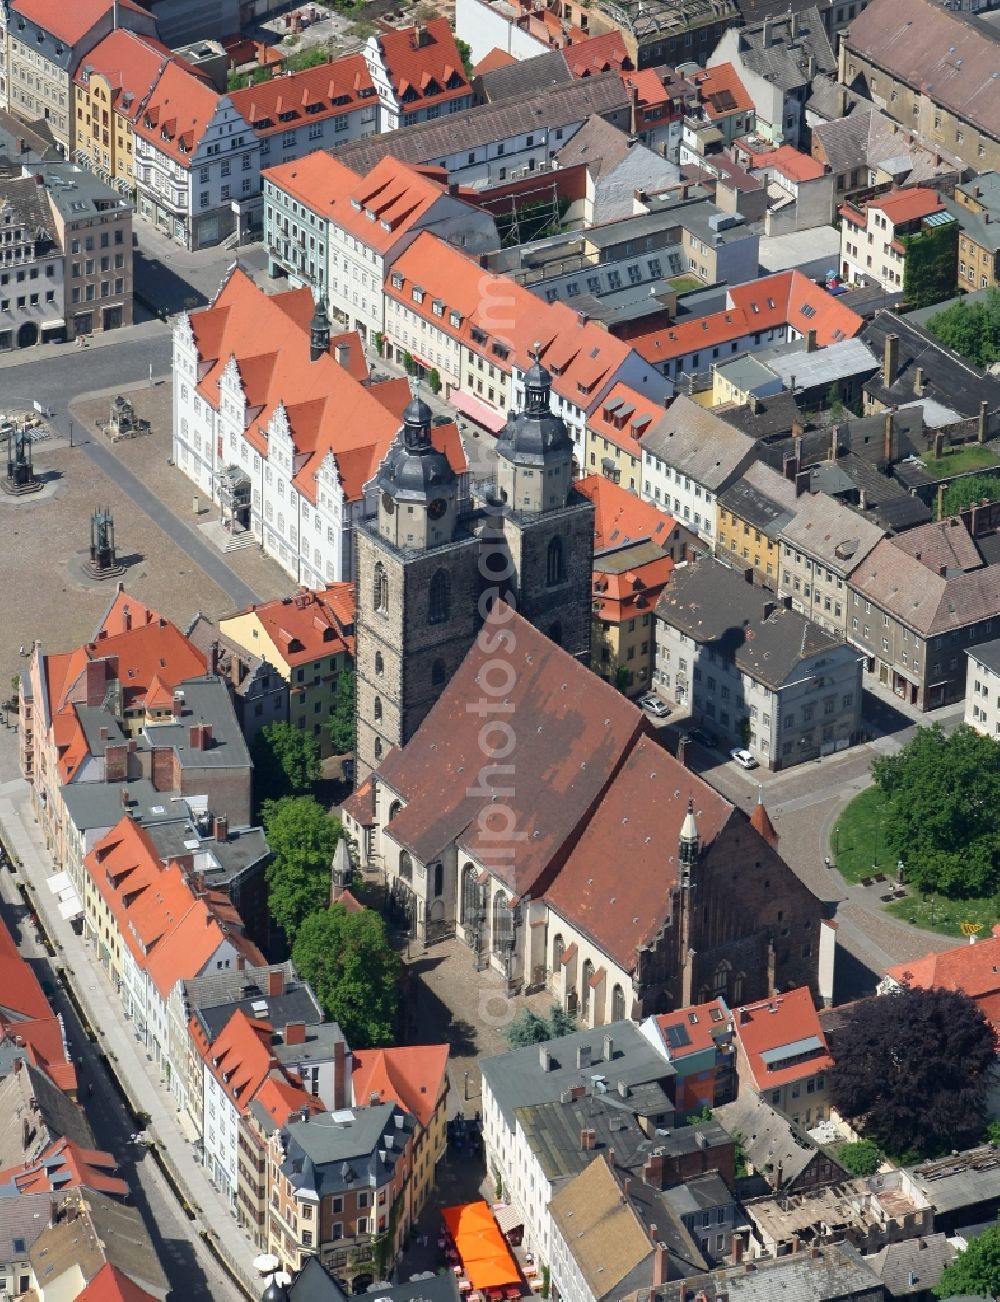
x=431, y=562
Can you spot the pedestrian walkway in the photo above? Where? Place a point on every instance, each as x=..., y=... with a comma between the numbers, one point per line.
x=126, y=1057
x=151, y=329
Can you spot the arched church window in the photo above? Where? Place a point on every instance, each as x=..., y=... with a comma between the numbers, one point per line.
x=378, y=747
x=439, y=599
x=555, y=567
x=381, y=589
x=406, y=867
x=378, y=708
x=588, y=972
x=617, y=1004
x=379, y=663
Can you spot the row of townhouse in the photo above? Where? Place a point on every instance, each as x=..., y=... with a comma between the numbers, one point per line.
x=120, y=102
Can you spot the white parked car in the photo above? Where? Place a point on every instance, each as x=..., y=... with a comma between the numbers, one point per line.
x=654, y=705
x=743, y=757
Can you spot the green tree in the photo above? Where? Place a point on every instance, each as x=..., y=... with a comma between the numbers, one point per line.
x=302, y=837
x=409, y=364
x=976, y=1271
x=529, y=1027
x=972, y=329
x=943, y=804
x=961, y=493
x=349, y=962
x=930, y=272
x=340, y=725
x=434, y=380
x=465, y=54
x=285, y=760
x=622, y=679
x=862, y=1158
x=912, y=1071
x=378, y=339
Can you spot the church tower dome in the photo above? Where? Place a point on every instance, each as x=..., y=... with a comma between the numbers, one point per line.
x=418, y=487
x=319, y=330
x=535, y=450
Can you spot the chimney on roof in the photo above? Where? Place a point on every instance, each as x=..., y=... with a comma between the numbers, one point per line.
x=890, y=360
x=627, y=1186
x=125, y=798
x=766, y=33
x=660, y=1265
x=737, y=1249
x=748, y=575
x=811, y=341
x=982, y=423
x=343, y=354
x=796, y=1243
x=811, y=67
x=582, y=1056
x=682, y=751
x=275, y=983
x=222, y=827
x=544, y=1058
x=582, y=318
x=753, y=402
x=918, y=382
x=889, y=437
x=940, y=501
x=793, y=25
x=295, y=1033
x=588, y=1138
x=609, y=1049
x=177, y=704
x=834, y=443
x=938, y=445
x=769, y=609
x=802, y=481
x=789, y=466
x=102, y=732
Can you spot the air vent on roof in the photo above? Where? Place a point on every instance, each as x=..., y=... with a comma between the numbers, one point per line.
x=259, y=1007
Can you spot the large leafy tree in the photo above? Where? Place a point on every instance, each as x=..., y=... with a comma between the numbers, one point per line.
x=912, y=1071
x=285, y=759
x=341, y=722
x=302, y=837
x=969, y=491
x=350, y=964
x=976, y=1271
x=972, y=329
x=943, y=804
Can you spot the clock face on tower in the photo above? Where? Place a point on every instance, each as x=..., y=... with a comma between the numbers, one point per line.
x=437, y=508
x=388, y=505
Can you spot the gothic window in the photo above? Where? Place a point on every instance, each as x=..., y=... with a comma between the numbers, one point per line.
x=394, y=809
x=378, y=747
x=437, y=673
x=617, y=1004
x=406, y=867
x=558, y=946
x=588, y=972
x=378, y=708
x=738, y=980
x=380, y=592
x=440, y=599
x=721, y=981
x=503, y=925
x=555, y=567
x=555, y=633
x=379, y=663
x=438, y=878
x=470, y=896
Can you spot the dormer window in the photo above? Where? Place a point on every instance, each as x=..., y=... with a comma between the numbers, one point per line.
x=454, y=318
x=356, y=205
x=397, y=280
x=437, y=307
x=418, y=294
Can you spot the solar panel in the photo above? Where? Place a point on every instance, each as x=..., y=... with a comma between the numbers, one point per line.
x=677, y=1037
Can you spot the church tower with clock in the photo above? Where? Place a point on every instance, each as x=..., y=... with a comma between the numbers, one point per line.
x=417, y=574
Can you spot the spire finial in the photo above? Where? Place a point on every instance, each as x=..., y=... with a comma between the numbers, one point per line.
x=414, y=382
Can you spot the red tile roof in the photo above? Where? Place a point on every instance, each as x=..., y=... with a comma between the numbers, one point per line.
x=280, y=1097
x=630, y=592
x=606, y=53
x=973, y=969
x=701, y=1026
x=310, y=625
x=70, y=22
x=786, y=160
x=111, y=1285
x=125, y=613
x=131, y=65
x=328, y=410
x=585, y=728
x=424, y=64
x=637, y=822
x=651, y=89
x=240, y=1057
x=496, y=58
x=26, y=1016
x=908, y=205
x=171, y=931
x=721, y=91
x=177, y=113
x=621, y=517
x=326, y=91
x=415, y=1077
x=623, y=416
x=65, y=1165
x=787, y=1021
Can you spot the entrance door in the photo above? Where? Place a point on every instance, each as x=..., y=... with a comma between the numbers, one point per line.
x=883, y=672
x=112, y=317
x=27, y=335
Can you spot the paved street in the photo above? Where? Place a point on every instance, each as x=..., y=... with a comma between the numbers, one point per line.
x=193, y=1270
x=173, y=278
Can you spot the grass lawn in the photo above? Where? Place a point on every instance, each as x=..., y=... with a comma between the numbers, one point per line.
x=934, y=913
x=684, y=284
x=858, y=843
x=972, y=456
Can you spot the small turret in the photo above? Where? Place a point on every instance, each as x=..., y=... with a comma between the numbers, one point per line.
x=687, y=851
x=419, y=489
x=319, y=330
x=535, y=450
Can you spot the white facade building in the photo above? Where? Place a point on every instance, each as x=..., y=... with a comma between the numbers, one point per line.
x=982, y=689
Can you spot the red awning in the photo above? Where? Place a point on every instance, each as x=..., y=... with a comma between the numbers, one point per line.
x=478, y=411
